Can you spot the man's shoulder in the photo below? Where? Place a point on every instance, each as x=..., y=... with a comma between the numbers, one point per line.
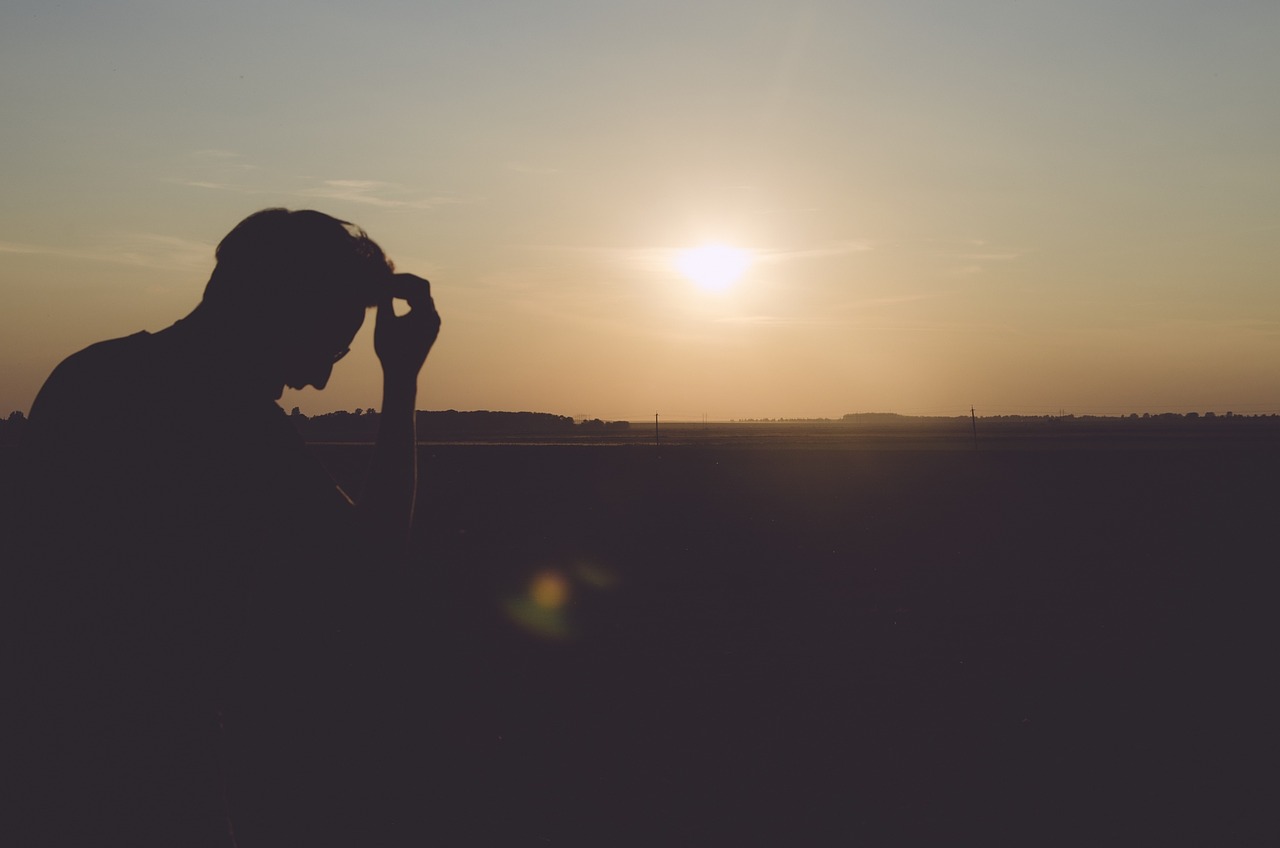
x=96, y=368
x=99, y=383
x=109, y=353
x=101, y=359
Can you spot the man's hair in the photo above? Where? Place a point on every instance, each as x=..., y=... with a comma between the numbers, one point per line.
x=277, y=259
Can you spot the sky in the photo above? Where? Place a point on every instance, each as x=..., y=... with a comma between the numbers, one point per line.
x=1014, y=205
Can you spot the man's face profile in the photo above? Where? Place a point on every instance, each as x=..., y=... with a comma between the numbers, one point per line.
x=321, y=339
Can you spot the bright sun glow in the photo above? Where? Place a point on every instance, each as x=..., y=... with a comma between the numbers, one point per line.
x=714, y=267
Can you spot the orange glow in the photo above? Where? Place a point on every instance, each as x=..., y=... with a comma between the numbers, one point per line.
x=549, y=590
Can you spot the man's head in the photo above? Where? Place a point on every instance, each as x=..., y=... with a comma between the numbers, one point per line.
x=295, y=286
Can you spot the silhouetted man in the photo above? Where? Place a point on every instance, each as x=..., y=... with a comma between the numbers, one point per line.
x=196, y=587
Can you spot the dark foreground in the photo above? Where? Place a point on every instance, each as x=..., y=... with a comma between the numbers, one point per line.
x=825, y=647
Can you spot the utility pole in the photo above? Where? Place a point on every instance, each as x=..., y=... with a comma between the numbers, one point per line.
x=655, y=429
x=973, y=417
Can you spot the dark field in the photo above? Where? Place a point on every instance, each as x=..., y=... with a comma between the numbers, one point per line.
x=790, y=635
x=899, y=644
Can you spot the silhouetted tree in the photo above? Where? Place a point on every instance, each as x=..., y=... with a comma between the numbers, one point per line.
x=11, y=427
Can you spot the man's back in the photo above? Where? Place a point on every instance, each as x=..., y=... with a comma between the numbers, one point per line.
x=197, y=608
x=178, y=542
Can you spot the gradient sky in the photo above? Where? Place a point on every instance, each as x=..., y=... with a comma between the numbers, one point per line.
x=1017, y=205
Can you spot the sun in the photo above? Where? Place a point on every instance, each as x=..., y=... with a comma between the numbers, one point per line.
x=713, y=267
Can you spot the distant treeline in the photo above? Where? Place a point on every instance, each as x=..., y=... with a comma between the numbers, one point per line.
x=1167, y=417
x=851, y=418
x=11, y=428
x=894, y=418
x=362, y=425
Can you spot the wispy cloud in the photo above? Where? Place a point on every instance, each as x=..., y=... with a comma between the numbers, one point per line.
x=860, y=312
x=217, y=169
x=787, y=210
x=648, y=259
x=153, y=250
x=886, y=301
x=140, y=250
x=840, y=248
x=971, y=264
x=14, y=247
x=376, y=193
x=962, y=257
x=779, y=320
x=523, y=168
x=663, y=258
x=204, y=184
x=989, y=257
x=224, y=170
x=215, y=153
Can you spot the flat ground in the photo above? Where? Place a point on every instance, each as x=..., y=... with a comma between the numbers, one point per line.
x=798, y=637
x=762, y=643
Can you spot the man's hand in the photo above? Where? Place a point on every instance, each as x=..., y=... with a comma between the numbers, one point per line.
x=403, y=342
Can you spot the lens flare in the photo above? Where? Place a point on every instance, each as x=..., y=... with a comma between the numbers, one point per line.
x=549, y=590
x=554, y=602
x=541, y=606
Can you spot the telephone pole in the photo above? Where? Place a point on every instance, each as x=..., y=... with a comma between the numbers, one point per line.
x=973, y=417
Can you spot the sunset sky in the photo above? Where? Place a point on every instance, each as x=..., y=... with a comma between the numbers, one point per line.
x=1017, y=205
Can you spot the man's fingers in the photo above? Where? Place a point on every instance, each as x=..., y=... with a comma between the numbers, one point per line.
x=411, y=288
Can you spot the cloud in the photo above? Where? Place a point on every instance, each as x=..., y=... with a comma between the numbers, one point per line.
x=786, y=210
x=139, y=250
x=663, y=258
x=214, y=153
x=213, y=185
x=522, y=168
x=13, y=247
x=957, y=257
x=216, y=169
x=989, y=257
x=885, y=301
x=366, y=192
x=221, y=170
x=976, y=263
x=153, y=250
x=375, y=193
x=841, y=248
x=778, y=320
x=646, y=259
x=847, y=313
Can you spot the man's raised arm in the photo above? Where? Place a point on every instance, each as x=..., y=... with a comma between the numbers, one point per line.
x=402, y=344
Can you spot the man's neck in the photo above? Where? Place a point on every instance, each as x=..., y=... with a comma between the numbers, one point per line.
x=222, y=356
